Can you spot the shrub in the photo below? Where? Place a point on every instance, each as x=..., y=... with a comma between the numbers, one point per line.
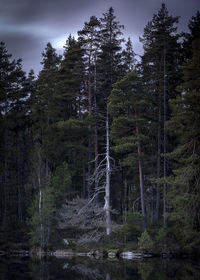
x=131, y=229
x=145, y=242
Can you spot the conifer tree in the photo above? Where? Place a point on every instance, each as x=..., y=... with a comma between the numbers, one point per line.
x=71, y=81
x=109, y=63
x=189, y=37
x=128, y=129
x=128, y=56
x=13, y=130
x=184, y=195
x=42, y=115
x=110, y=55
x=44, y=107
x=70, y=130
x=89, y=37
x=160, y=67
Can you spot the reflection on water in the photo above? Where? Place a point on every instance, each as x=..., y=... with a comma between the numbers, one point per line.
x=85, y=268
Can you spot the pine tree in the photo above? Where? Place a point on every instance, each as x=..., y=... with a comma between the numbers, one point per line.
x=42, y=116
x=128, y=56
x=70, y=97
x=184, y=196
x=109, y=62
x=70, y=146
x=89, y=37
x=44, y=108
x=13, y=128
x=189, y=37
x=128, y=128
x=110, y=55
x=160, y=67
x=53, y=191
x=70, y=129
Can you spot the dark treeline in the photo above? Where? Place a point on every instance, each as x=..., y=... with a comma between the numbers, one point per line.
x=98, y=135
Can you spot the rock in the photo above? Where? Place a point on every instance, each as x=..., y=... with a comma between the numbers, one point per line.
x=111, y=255
x=148, y=255
x=130, y=255
x=66, y=242
x=65, y=266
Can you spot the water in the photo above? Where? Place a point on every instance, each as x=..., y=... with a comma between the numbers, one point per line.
x=86, y=268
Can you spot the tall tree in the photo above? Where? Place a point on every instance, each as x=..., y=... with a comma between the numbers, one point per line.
x=109, y=62
x=128, y=128
x=69, y=128
x=43, y=115
x=13, y=128
x=110, y=56
x=184, y=195
x=71, y=81
x=89, y=37
x=160, y=66
x=189, y=37
x=44, y=109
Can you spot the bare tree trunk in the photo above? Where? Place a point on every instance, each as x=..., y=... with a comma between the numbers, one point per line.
x=90, y=139
x=47, y=144
x=107, y=276
x=165, y=145
x=40, y=214
x=140, y=175
x=96, y=157
x=158, y=161
x=19, y=200
x=108, y=170
x=95, y=130
x=5, y=169
x=5, y=184
x=130, y=208
x=152, y=185
x=89, y=187
x=152, y=205
x=47, y=165
x=38, y=170
x=125, y=200
x=84, y=183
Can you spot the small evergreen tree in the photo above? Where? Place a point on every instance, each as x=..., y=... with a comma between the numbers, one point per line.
x=145, y=242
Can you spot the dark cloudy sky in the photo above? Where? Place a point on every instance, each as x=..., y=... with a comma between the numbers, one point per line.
x=27, y=25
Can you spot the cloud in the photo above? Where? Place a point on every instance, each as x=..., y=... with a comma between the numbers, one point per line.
x=26, y=46
x=26, y=26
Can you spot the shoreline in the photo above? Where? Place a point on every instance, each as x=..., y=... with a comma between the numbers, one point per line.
x=96, y=254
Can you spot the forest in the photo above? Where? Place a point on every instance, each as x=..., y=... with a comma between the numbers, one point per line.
x=101, y=149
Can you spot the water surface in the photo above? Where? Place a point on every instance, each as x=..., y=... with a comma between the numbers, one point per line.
x=85, y=268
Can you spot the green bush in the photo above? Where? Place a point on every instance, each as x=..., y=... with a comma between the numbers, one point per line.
x=131, y=229
x=161, y=240
x=145, y=242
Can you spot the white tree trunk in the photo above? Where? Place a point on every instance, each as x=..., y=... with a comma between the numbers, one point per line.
x=107, y=190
